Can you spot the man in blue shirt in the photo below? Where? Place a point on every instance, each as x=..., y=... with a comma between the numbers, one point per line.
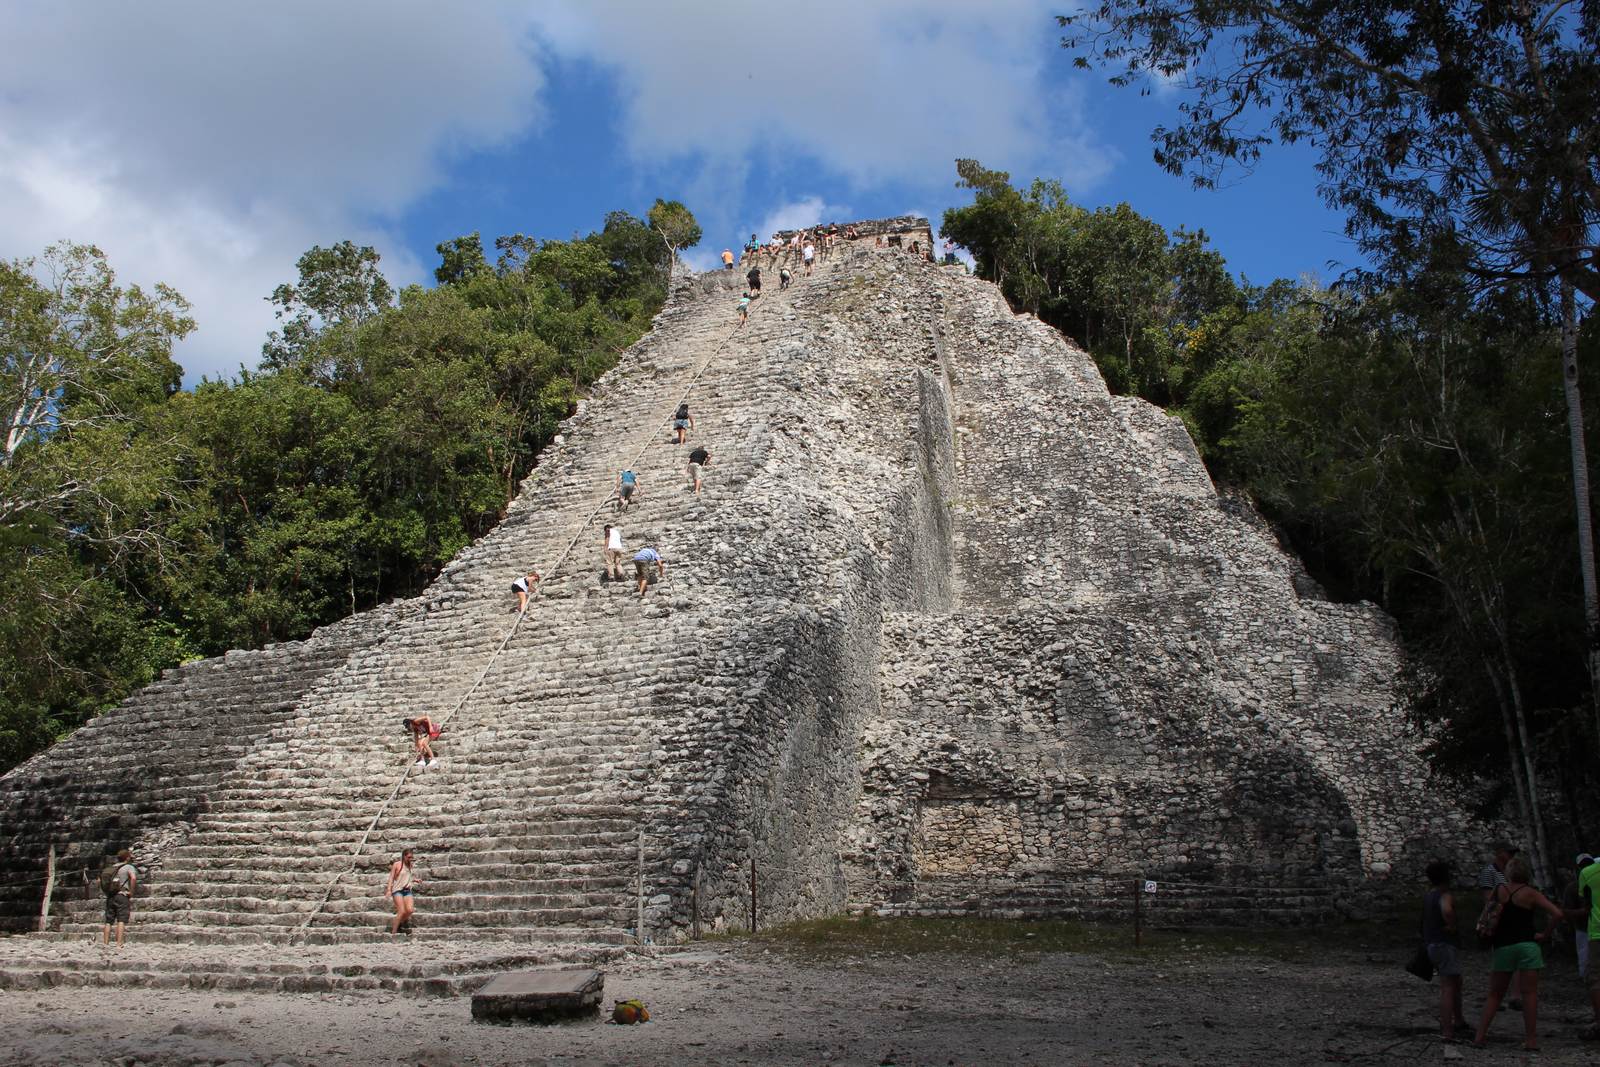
x=642, y=560
x=627, y=485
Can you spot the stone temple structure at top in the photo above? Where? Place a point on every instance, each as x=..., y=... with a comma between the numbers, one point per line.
x=950, y=627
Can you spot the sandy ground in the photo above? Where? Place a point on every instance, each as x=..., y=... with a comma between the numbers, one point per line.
x=766, y=1003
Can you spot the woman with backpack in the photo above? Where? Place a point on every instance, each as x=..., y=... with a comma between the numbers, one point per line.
x=1508, y=921
x=682, y=421
x=118, y=881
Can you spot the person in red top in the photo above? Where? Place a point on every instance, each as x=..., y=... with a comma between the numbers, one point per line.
x=424, y=731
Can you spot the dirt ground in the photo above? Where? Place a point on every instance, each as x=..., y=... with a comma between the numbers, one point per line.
x=906, y=994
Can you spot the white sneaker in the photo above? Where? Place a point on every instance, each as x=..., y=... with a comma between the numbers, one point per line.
x=419, y=764
x=430, y=763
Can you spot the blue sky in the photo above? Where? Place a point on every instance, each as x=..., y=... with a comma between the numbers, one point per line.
x=207, y=145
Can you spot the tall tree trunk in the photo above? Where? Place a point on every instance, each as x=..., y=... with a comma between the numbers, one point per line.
x=1541, y=851
x=1519, y=782
x=1580, y=491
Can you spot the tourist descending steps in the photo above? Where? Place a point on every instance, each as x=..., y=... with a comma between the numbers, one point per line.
x=744, y=309
x=642, y=561
x=118, y=882
x=611, y=552
x=754, y=278
x=401, y=888
x=699, y=460
x=424, y=732
x=683, y=422
x=523, y=587
x=785, y=276
x=627, y=489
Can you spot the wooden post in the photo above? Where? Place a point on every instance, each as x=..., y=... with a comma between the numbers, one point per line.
x=639, y=929
x=49, y=887
x=694, y=900
x=1138, y=914
x=752, y=892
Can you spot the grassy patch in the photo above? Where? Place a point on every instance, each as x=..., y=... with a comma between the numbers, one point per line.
x=870, y=935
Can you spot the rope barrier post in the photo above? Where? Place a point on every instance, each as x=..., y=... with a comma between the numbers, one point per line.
x=1138, y=914
x=694, y=903
x=639, y=928
x=752, y=891
x=49, y=887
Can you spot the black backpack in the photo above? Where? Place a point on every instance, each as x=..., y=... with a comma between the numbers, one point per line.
x=111, y=879
x=683, y=412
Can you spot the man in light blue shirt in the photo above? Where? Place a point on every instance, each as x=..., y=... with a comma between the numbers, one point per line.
x=642, y=560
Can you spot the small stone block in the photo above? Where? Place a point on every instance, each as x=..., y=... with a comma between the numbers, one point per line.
x=538, y=996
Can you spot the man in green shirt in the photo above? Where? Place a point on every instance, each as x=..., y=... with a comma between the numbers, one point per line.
x=1589, y=882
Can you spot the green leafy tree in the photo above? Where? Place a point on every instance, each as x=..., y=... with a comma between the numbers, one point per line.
x=675, y=225
x=1455, y=136
x=339, y=289
x=85, y=496
x=460, y=258
x=1113, y=279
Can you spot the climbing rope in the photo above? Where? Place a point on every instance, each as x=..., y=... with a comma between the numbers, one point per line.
x=565, y=553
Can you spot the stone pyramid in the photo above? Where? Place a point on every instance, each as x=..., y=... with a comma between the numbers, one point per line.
x=949, y=628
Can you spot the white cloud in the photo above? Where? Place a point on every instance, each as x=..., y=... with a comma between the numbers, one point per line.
x=208, y=145
x=893, y=90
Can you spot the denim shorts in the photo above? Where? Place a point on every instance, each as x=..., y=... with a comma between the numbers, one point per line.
x=1444, y=958
x=1522, y=956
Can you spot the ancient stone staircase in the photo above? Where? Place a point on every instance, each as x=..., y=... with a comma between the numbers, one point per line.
x=529, y=824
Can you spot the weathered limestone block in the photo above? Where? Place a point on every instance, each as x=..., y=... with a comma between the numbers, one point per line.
x=539, y=996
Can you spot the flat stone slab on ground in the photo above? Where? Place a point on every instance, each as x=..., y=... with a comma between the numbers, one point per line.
x=542, y=996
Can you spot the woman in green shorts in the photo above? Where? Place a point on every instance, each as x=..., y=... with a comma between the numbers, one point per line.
x=1517, y=951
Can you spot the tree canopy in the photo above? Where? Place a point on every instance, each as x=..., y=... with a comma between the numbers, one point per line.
x=141, y=525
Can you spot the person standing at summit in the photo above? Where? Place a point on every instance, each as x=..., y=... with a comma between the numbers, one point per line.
x=727, y=259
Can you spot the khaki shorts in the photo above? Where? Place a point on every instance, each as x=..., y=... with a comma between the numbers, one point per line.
x=694, y=472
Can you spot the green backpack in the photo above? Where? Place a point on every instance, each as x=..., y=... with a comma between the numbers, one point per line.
x=111, y=882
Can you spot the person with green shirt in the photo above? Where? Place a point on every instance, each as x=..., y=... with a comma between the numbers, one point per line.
x=1589, y=882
